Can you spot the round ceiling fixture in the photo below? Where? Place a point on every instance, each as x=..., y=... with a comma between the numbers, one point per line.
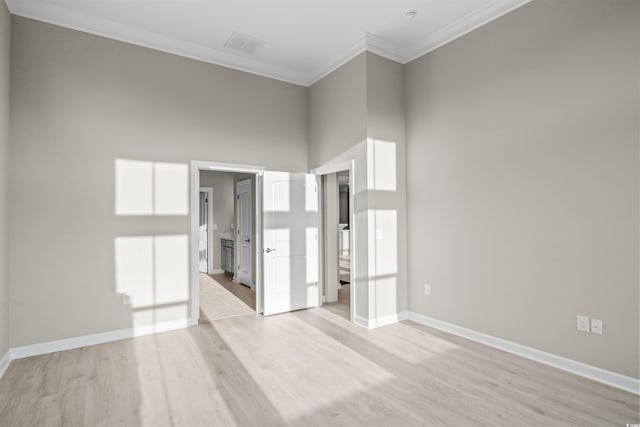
x=410, y=16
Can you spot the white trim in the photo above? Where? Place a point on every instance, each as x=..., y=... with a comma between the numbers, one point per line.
x=259, y=245
x=338, y=62
x=93, y=339
x=384, y=48
x=210, y=230
x=217, y=271
x=63, y=17
x=597, y=374
x=194, y=193
x=5, y=362
x=361, y=321
x=391, y=319
x=477, y=18
x=349, y=165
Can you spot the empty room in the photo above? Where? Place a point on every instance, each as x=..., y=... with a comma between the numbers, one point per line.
x=250, y=213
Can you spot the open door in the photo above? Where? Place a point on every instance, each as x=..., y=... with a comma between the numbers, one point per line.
x=291, y=224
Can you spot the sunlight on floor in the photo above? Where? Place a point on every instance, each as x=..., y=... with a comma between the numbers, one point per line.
x=217, y=303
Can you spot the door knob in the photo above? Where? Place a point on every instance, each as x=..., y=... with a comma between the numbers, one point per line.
x=247, y=240
x=269, y=250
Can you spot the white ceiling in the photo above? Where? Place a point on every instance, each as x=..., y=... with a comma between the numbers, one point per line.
x=304, y=39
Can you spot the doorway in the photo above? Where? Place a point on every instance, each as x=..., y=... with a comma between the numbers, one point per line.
x=338, y=239
x=226, y=256
x=286, y=237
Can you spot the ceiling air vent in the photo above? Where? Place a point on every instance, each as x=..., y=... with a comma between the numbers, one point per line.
x=243, y=43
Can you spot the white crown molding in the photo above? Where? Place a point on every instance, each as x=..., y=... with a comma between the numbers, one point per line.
x=93, y=339
x=338, y=62
x=477, y=18
x=105, y=28
x=370, y=42
x=597, y=374
x=4, y=362
x=384, y=48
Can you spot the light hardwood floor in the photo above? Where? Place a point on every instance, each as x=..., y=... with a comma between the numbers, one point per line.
x=342, y=307
x=220, y=298
x=309, y=367
x=244, y=293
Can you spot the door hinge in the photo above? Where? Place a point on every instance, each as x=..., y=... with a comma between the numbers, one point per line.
x=238, y=197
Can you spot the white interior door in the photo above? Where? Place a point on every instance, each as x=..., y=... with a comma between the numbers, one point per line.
x=244, y=197
x=290, y=238
x=203, y=231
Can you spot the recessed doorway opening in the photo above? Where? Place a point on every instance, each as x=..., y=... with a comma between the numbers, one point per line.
x=338, y=237
x=226, y=242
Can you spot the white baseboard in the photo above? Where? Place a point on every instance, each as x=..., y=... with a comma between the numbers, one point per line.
x=217, y=271
x=391, y=319
x=361, y=321
x=381, y=321
x=93, y=339
x=4, y=362
x=597, y=374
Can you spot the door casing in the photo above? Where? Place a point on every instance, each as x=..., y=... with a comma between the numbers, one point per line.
x=333, y=168
x=194, y=192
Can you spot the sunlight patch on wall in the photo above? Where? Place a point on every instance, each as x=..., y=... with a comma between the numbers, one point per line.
x=151, y=188
x=171, y=268
x=134, y=181
x=386, y=241
x=171, y=189
x=381, y=165
x=154, y=272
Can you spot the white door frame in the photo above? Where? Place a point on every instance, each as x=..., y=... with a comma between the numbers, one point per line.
x=325, y=170
x=194, y=192
x=210, y=230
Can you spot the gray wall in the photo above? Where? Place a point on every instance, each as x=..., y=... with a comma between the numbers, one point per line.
x=337, y=133
x=386, y=175
x=5, y=45
x=523, y=179
x=79, y=102
x=357, y=113
x=338, y=113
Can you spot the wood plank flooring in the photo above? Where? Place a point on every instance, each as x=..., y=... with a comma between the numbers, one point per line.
x=220, y=298
x=342, y=307
x=309, y=367
x=245, y=294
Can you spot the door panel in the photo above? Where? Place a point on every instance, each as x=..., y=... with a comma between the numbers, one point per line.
x=244, y=195
x=203, y=238
x=290, y=236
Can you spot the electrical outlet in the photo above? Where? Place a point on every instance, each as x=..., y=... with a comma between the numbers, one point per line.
x=596, y=326
x=582, y=323
x=427, y=289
